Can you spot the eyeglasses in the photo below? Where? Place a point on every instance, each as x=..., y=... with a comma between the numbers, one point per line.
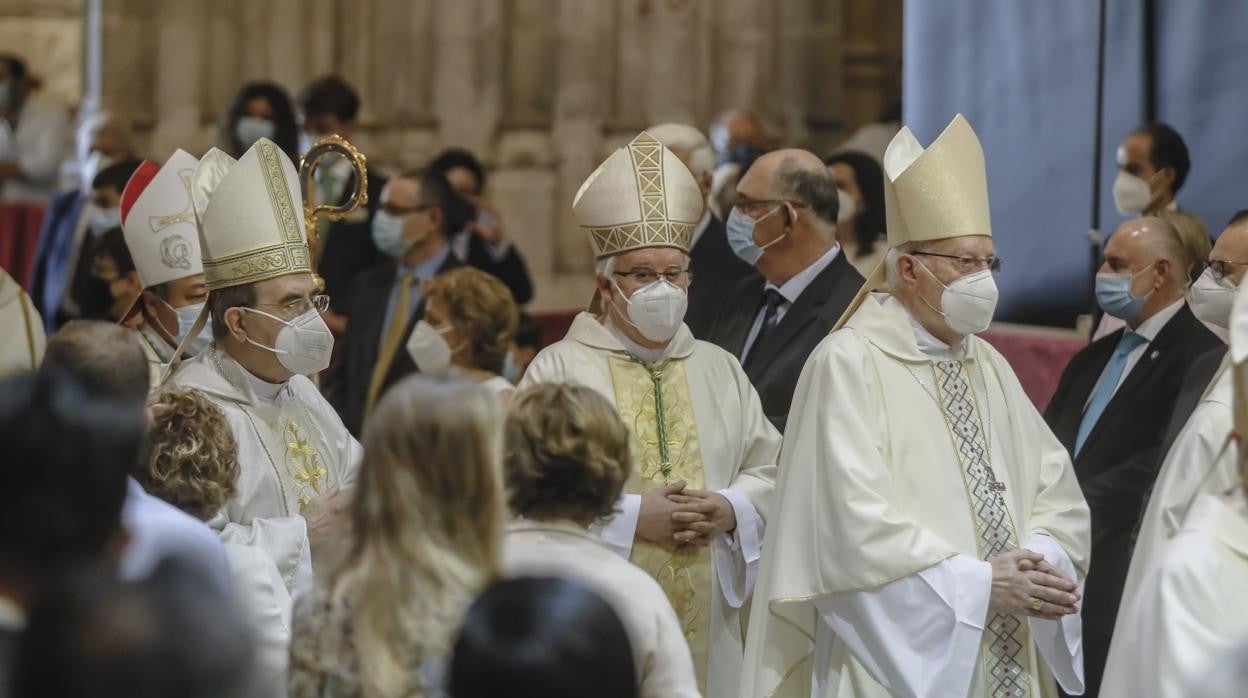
x=299, y=306
x=966, y=265
x=1220, y=270
x=645, y=277
x=747, y=206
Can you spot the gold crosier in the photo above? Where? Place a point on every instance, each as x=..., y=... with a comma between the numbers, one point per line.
x=329, y=145
x=655, y=403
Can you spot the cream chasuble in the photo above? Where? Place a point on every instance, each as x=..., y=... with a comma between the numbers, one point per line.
x=1201, y=462
x=157, y=352
x=903, y=470
x=22, y=342
x=693, y=415
x=290, y=449
x=1191, y=610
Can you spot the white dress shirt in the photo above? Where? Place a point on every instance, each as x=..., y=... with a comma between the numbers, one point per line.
x=38, y=145
x=1149, y=329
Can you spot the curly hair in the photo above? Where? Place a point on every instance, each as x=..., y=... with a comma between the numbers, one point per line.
x=482, y=307
x=566, y=453
x=193, y=463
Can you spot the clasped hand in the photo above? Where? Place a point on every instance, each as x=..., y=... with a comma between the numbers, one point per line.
x=1024, y=584
x=684, y=516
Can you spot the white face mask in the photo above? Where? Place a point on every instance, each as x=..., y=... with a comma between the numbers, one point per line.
x=1132, y=194
x=303, y=345
x=187, y=315
x=968, y=303
x=1211, y=299
x=656, y=310
x=428, y=348
x=846, y=208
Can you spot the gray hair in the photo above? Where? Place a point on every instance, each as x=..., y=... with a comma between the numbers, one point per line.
x=890, y=264
x=606, y=265
x=816, y=189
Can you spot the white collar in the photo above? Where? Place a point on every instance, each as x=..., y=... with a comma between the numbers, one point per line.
x=266, y=393
x=1152, y=326
x=931, y=346
x=794, y=287
x=650, y=356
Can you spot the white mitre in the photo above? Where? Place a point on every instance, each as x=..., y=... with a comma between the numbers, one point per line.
x=158, y=221
x=931, y=194
x=640, y=196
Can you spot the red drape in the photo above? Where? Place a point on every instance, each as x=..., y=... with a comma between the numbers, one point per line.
x=19, y=234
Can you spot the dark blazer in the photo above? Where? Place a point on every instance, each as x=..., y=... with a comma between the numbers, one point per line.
x=52, y=277
x=511, y=269
x=347, y=387
x=775, y=365
x=349, y=249
x=1197, y=379
x=1120, y=458
x=716, y=270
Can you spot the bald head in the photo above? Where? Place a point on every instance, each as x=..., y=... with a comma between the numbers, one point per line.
x=107, y=359
x=734, y=128
x=795, y=175
x=1159, y=236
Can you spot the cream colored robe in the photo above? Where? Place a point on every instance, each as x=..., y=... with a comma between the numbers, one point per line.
x=1191, y=610
x=738, y=451
x=875, y=534
x=157, y=352
x=1201, y=462
x=21, y=329
x=560, y=549
x=298, y=434
x=265, y=604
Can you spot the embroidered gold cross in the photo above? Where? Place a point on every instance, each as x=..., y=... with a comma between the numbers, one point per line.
x=307, y=470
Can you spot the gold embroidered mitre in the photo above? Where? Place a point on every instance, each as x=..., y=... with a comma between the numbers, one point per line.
x=251, y=217
x=931, y=194
x=158, y=220
x=641, y=196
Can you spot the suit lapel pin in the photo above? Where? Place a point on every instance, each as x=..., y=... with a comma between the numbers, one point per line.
x=1153, y=356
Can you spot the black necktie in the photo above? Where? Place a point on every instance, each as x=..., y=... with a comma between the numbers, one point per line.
x=771, y=317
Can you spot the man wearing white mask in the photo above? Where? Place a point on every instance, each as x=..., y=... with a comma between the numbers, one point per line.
x=1153, y=163
x=411, y=228
x=1202, y=461
x=705, y=453
x=295, y=456
x=1189, y=610
x=930, y=537
x=158, y=220
x=1115, y=399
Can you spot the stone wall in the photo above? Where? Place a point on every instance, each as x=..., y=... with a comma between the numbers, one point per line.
x=542, y=89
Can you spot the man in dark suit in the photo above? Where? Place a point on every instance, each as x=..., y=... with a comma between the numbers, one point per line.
x=773, y=319
x=480, y=240
x=1115, y=400
x=412, y=228
x=711, y=259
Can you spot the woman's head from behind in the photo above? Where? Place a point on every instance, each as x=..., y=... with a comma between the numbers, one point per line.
x=193, y=461
x=565, y=454
x=476, y=314
x=542, y=638
x=427, y=518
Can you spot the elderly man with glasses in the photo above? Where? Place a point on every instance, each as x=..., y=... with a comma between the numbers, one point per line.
x=930, y=536
x=694, y=508
x=296, y=459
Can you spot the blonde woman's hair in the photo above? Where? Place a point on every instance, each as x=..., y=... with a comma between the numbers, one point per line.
x=193, y=463
x=427, y=518
x=483, y=307
x=1193, y=236
x=566, y=453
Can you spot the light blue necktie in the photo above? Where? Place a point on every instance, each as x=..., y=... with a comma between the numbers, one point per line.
x=1107, y=385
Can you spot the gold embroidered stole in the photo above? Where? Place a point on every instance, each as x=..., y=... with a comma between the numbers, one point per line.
x=297, y=449
x=655, y=403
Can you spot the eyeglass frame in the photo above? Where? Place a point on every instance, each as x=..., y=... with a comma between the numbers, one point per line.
x=993, y=263
x=682, y=277
x=299, y=306
x=1218, y=267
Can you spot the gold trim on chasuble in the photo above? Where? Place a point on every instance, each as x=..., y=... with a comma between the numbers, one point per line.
x=664, y=442
x=1006, y=641
x=654, y=229
x=302, y=462
x=287, y=257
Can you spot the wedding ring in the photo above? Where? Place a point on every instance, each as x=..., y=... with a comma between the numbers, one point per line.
x=1036, y=604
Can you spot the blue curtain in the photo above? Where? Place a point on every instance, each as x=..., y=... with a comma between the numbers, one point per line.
x=1024, y=74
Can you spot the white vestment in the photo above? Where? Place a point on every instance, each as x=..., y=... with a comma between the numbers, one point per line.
x=291, y=446
x=264, y=602
x=560, y=549
x=735, y=443
x=22, y=340
x=1191, y=610
x=1200, y=462
x=873, y=583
